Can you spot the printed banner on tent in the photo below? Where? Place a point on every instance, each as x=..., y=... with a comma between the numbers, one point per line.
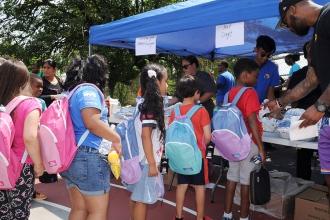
x=145, y=45
x=229, y=35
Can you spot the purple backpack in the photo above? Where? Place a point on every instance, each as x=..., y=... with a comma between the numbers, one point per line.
x=229, y=134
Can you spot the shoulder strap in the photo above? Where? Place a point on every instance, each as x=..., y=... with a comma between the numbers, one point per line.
x=239, y=94
x=226, y=98
x=86, y=84
x=15, y=102
x=193, y=110
x=11, y=107
x=177, y=110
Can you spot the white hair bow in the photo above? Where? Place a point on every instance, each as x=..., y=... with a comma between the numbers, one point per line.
x=152, y=73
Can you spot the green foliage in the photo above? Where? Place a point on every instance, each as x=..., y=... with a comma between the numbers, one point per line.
x=34, y=30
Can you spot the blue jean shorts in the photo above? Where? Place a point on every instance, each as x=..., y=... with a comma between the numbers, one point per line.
x=89, y=172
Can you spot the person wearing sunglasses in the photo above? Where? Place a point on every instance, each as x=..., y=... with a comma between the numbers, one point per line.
x=299, y=16
x=268, y=77
x=205, y=82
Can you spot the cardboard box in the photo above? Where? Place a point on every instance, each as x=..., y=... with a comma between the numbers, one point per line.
x=312, y=204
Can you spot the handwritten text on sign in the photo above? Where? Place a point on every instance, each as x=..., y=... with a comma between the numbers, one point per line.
x=145, y=45
x=229, y=35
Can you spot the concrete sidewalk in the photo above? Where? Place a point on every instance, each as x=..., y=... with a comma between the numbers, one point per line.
x=47, y=210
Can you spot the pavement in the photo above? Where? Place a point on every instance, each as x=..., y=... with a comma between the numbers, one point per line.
x=48, y=210
x=56, y=206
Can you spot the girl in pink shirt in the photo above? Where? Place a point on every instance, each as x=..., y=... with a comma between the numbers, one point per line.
x=16, y=203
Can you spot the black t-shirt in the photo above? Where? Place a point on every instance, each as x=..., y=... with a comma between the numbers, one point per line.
x=312, y=97
x=321, y=48
x=50, y=89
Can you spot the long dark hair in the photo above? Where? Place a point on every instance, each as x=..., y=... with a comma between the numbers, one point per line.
x=93, y=70
x=13, y=77
x=73, y=74
x=153, y=100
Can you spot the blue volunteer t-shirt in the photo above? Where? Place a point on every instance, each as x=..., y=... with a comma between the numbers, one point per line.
x=86, y=97
x=295, y=67
x=226, y=81
x=268, y=77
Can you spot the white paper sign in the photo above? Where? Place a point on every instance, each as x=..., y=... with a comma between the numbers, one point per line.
x=229, y=35
x=145, y=45
x=297, y=133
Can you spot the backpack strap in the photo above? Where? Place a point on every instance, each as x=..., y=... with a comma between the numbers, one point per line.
x=15, y=102
x=239, y=94
x=176, y=109
x=193, y=110
x=11, y=107
x=226, y=98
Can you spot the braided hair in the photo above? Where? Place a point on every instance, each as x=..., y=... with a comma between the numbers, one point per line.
x=153, y=101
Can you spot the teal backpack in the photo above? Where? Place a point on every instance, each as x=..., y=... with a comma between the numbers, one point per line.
x=181, y=147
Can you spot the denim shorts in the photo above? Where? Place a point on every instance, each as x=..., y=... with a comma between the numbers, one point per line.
x=89, y=172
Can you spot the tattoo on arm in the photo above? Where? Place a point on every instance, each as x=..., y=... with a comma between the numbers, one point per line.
x=302, y=89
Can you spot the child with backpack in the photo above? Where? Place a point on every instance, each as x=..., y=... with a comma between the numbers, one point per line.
x=35, y=90
x=153, y=82
x=88, y=176
x=22, y=153
x=187, y=88
x=246, y=73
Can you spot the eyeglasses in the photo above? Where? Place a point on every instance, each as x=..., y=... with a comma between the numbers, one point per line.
x=186, y=66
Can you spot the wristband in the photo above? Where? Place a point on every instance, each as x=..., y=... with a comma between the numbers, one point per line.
x=279, y=103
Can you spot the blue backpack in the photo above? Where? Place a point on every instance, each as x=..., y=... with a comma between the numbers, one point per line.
x=130, y=165
x=229, y=134
x=181, y=147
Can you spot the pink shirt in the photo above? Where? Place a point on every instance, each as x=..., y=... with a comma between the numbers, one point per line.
x=19, y=115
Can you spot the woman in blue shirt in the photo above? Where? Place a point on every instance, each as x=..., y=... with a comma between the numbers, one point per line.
x=88, y=177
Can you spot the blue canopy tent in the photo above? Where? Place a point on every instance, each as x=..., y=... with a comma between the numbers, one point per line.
x=188, y=28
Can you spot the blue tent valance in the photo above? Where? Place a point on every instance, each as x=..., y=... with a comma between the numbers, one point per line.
x=189, y=28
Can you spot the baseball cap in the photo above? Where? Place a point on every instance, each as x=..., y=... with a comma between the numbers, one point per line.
x=283, y=7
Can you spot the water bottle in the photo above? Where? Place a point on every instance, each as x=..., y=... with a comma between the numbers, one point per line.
x=163, y=164
x=105, y=147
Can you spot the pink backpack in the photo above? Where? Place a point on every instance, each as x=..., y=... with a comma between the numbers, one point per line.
x=56, y=134
x=10, y=165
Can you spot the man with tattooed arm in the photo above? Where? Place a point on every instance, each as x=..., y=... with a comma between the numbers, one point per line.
x=298, y=16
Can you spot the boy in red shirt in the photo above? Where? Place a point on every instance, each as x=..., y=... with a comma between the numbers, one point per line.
x=246, y=73
x=187, y=89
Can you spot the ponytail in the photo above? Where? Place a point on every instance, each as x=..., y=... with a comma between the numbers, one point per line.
x=153, y=100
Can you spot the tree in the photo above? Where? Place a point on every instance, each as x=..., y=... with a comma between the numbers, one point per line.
x=39, y=29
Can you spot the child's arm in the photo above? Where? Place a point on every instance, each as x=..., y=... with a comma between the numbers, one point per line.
x=207, y=134
x=148, y=150
x=30, y=137
x=255, y=133
x=91, y=118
